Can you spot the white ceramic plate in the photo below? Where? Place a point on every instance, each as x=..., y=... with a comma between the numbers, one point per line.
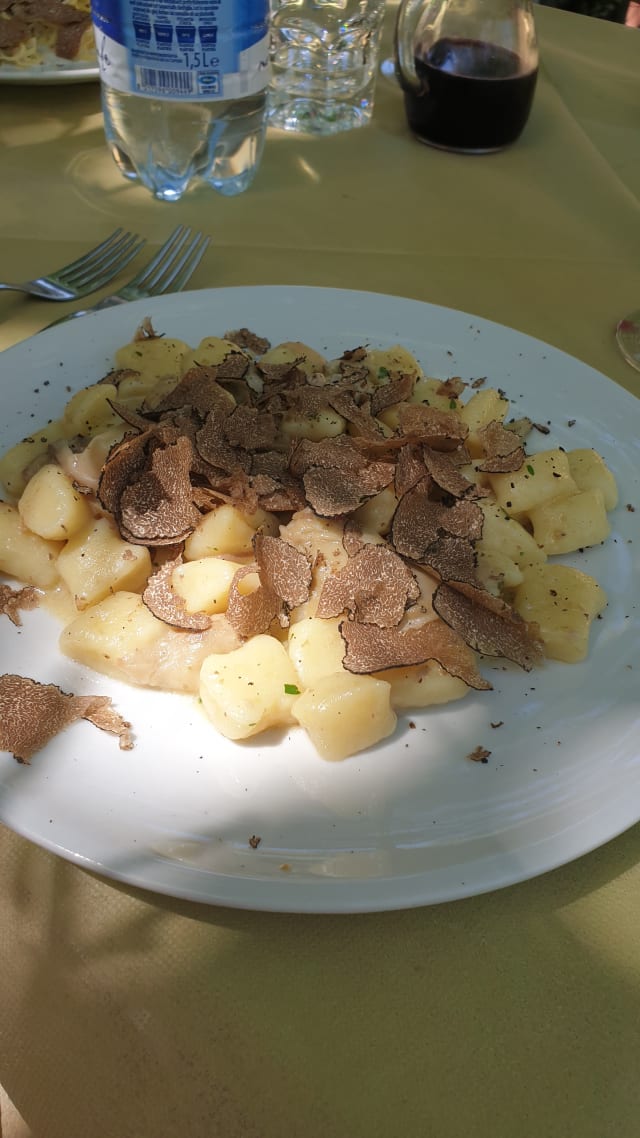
x=414, y=821
x=50, y=73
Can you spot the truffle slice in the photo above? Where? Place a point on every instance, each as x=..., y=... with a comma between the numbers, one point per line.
x=353, y=375
x=331, y=492
x=337, y=478
x=493, y=633
x=337, y=453
x=13, y=600
x=128, y=415
x=272, y=462
x=451, y=559
x=250, y=429
x=524, y=426
x=198, y=388
x=245, y=338
x=32, y=713
x=410, y=469
x=104, y=716
x=360, y=417
x=242, y=495
x=213, y=447
x=443, y=468
x=352, y=537
x=396, y=390
x=416, y=522
x=283, y=569
x=503, y=451
x=373, y=649
x=251, y=614
x=285, y=497
x=375, y=586
x=419, y=523
x=264, y=484
x=234, y=366
x=158, y=508
x=308, y=402
x=288, y=370
x=463, y=519
x=124, y=462
x=354, y=355
x=441, y=430
x=167, y=605
x=285, y=581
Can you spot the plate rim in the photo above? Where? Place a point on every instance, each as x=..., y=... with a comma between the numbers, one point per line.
x=49, y=74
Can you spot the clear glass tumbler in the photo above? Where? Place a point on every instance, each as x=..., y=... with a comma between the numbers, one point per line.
x=324, y=59
x=468, y=69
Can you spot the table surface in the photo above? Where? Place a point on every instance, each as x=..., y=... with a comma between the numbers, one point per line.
x=128, y=1015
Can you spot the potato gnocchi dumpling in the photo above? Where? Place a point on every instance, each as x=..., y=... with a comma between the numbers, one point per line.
x=344, y=714
x=245, y=691
x=293, y=539
x=51, y=506
x=24, y=554
x=563, y=602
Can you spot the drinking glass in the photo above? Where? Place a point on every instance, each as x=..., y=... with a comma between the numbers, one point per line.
x=324, y=58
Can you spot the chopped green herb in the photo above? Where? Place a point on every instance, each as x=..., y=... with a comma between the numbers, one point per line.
x=291, y=689
x=382, y=373
x=531, y=470
x=453, y=403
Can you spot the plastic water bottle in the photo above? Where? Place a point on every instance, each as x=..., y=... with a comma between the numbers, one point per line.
x=184, y=90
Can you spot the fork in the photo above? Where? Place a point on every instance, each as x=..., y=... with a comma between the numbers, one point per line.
x=88, y=273
x=170, y=270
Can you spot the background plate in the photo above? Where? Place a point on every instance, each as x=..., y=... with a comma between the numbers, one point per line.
x=413, y=821
x=50, y=74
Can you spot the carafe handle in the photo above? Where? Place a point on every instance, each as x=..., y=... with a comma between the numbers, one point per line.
x=404, y=52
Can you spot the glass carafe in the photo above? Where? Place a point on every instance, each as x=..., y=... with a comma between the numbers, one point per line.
x=468, y=69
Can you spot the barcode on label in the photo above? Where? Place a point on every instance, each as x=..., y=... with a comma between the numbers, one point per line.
x=157, y=80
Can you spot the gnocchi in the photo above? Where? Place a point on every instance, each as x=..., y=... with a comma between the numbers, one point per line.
x=344, y=714
x=245, y=691
x=50, y=505
x=563, y=602
x=247, y=585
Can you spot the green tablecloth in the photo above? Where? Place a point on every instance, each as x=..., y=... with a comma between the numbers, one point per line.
x=511, y=1015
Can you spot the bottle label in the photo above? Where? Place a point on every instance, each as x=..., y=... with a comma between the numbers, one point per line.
x=183, y=49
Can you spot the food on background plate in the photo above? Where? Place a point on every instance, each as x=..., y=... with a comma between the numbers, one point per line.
x=299, y=540
x=37, y=33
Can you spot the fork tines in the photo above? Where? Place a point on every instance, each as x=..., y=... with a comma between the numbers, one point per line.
x=93, y=268
x=168, y=267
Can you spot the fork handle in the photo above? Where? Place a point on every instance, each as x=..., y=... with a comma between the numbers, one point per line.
x=14, y=288
x=49, y=293
x=107, y=302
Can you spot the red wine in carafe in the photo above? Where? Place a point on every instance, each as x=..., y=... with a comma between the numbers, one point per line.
x=473, y=96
